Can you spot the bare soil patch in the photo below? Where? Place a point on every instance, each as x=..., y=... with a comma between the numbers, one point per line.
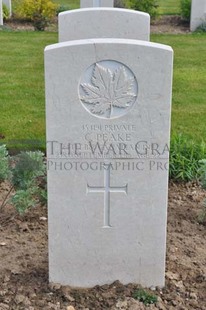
x=170, y=24
x=24, y=263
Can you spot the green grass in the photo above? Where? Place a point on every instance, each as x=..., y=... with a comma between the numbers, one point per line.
x=22, y=84
x=71, y=4
x=169, y=7
x=22, y=99
x=189, y=91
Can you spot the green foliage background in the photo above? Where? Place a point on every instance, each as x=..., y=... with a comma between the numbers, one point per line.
x=185, y=8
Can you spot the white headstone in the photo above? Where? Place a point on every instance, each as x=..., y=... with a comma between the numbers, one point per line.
x=103, y=23
x=108, y=105
x=1, y=13
x=96, y=3
x=198, y=14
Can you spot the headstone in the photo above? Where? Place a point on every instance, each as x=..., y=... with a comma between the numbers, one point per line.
x=103, y=23
x=96, y=3
x=198, y=14
x=1, y=13
x=8, y=4
x=108, y=105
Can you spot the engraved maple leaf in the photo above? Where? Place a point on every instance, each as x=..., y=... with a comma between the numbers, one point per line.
x=108, y=90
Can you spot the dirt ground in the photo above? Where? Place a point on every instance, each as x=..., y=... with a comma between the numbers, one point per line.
x=24, y=263
x=170, y=24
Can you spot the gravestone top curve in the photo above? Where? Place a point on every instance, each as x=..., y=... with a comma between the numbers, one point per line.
x=109, y=41
x=103, y=23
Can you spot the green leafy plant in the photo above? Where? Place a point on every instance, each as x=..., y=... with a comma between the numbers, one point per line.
x=185, y=156
x=185, y=9
x=145, y=297
x=4, y=163
x=5, y=12
x=202, y=27
x=148, y=6
x=28, y=167
x=27, y=173
x=40, y=12
x=23, y=200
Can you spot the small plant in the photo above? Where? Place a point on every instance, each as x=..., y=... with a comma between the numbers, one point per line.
x=185, y=156
x=4, y=163
x=28, y=167
x=202, y=27
x=202, y=214
x=27, y=175
x=145, y=297
x=23, y=200
x=185, y=9
x=148, y=6
x=40, y=12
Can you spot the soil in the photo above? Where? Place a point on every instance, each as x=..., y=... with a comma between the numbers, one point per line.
x=170, y=24
x=24, y=262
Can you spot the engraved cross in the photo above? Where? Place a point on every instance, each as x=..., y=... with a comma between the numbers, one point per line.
x=106, y=190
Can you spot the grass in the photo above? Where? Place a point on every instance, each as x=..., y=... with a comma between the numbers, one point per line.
x=189, y=92
x=22, y=84
x=22, y=99
x=169, y=7
x=71, y=4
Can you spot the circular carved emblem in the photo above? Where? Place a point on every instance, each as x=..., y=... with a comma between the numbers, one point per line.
x=108, y=89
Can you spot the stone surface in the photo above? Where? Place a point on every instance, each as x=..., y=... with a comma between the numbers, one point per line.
x=198, y=14
x=96, y=3
x=70, y=308
x=90, y=23
x=1, y=13
x=8, y=4
x=108, y=107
